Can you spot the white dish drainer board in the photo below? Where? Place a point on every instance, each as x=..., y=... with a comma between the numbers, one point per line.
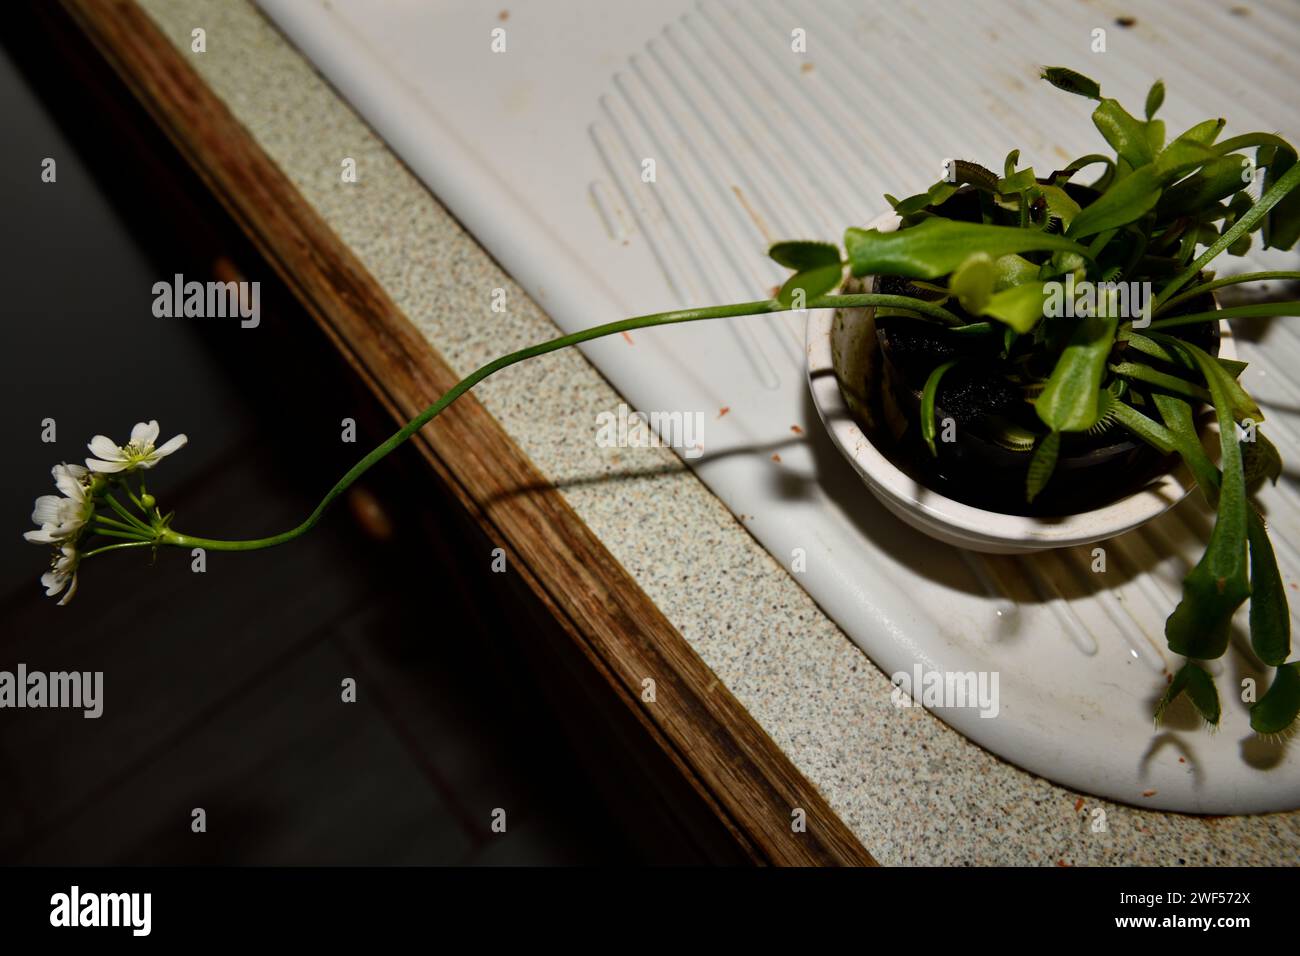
x=539, y=151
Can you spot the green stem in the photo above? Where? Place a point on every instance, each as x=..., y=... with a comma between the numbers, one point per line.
x=117, y=547
x=1264, y=310
x=976, y=328
x=761, y=307
x=134, y=499
x=1246, y=140
x=1101, y=241
x=1226, y=281
x=1154, y=434
x=1083, y=162
x=119, y=525
x=129, y=535
x=1141, y=372
x=131, y=519
x=928, y=395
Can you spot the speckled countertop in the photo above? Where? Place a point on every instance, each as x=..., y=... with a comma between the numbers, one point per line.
x=913, y=790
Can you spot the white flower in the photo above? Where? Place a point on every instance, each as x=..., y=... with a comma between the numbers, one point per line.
x=139, y=452
x=62, y=518
x=62, y=574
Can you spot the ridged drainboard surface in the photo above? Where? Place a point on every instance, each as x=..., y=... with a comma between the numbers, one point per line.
x=540, y=151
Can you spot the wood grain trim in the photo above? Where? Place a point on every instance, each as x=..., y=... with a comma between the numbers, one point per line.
x=714, y=741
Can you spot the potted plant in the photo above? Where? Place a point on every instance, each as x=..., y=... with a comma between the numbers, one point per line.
x=1071, y=343
x=1038, y=348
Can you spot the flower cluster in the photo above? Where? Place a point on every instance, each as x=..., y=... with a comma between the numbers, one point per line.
x=82, y=508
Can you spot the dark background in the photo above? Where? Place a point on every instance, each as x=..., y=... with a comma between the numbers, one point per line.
x=222, y=689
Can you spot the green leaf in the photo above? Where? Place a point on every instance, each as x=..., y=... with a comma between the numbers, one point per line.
x=1126, y=201
x=1139, y=425
x=1229, y=393
x=1020, y=307
x=1205, y=132
x=1247, y=140
x=1180, y=157
x=1063, y=263
x=1155, y=97
x=1270, y=614
x=1139, y=372
x=1261, y=310
x=964, y=172
x=1070, y=400
x=1146, y=346
x=1204, y=695
x=1059, y=204
x=1216, y=180
x=937, y=194
x=1177, y=415
x=1017, y=181
x=936, y=247
x=1199, y=687
x=1219, y=583
x=802, y=256
x=1126, y=134
x=1068, y=80
x=1211, y=284
x=959, y=172
x=1009, y=336
x=1083, y=162
x=1282, y=225
x=1262, y=461
x=1233, y=367
x=1273, y=195
x=927, y=403
x=1277, y=709
x=1042, y=465
x=814, y=282
x=972, y=282
x=1155, y=132
x=1238, y=205
x=1012, y=270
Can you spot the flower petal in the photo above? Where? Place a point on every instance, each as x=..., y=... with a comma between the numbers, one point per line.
x=54, y=582
x=103, y=447
x=171, y=445
x=43, y=536
x=144, y=434
x=48, y=510
x=107, y=467
x=68, y=483
x=72, y=589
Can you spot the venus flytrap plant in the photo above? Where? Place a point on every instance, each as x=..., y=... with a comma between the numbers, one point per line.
x=978, y=266
x=1154, y=207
